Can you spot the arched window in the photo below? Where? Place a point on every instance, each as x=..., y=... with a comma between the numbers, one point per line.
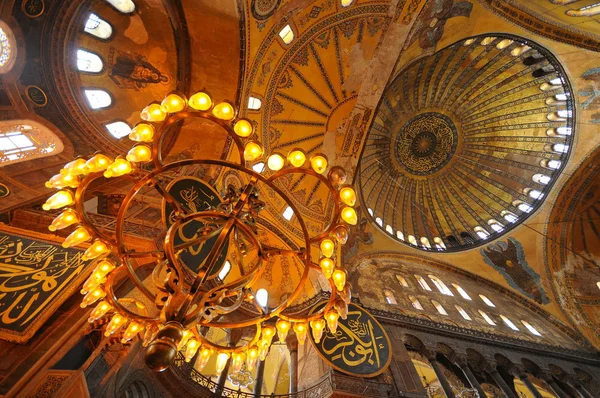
x=370, y=211
x=258, y=167
x=486, y=300
x=124, y=6
x=425, y=243
x=118, y=129
x=89, y=62
x=389, y=229
x=288, y=213
x=524, y=207
x=563, y=130
x=262, y=297
x=389, y=296
x=504, y=43
x=534, y=194
x=8, y=48
x=22, y=140
x=379, y=221
x=403, y=281
x=531, y=328
x=461, y=291
x=439, y=307
x=551, y=164
x=422, y=283
x=439, y=243
x=254, y=103
x=286, y=34
x=495, y=225
x=441, y=286
x=346, y=3
x=508, y=216
x=488, y=40
x=487, y=318
x=462, y=312
x=415, y=303
x=482, y=233
x=509, y=323
x=400, y=235
x=560, y=148
x=412, y=240
x=225, y=270
x=467, y=237
x=98, y=27
x=598, y=284
x=98, y=99
x=541, y=179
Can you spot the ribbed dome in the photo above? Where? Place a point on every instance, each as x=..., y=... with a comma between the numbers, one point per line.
x=467, y=142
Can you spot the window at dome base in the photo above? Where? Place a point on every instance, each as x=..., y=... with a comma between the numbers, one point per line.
x=118, y=129
x=89, y=62
x=22, y=140
x=453, y=149
x=98, y=27
x=98, y=99
x=124, y=6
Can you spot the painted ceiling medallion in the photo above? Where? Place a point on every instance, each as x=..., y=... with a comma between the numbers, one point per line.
x=467, y=142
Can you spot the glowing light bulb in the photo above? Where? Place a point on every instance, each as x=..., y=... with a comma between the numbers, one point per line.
x=341, y=307
x=339, y=278
x=263, y=349
x=104, y=267
x=332, y=320
x=153, y=113
x=327, y=265
x=60, y=181
x=191, y=349
x=99, y=311
x=297, y=158
x=98, y=162
x=238, y=359
x=92, y=283
x=92, y=297
x=132, y=330
x=341, y=234
x=317, y=327
x=349, y=215
x=348, y=196
x=275, y=162
x=173, y=103
x=224, y=111
x=200, y=101
x=243, y=128
x=318, y=163
x=252, y=151
x=60, y=199
x=187, y=334
x=118, y=168
x=283, y=327
x=149, y=334
x=268, y=332
x=75, y=167
x=142, y=132
x=251, y=358
x=65, y=219
x=222, y=359
x=139, y=153
x=116, y=323
x=77, y=237
x=300, y=329
x=327, y=247
x=202, y=360
x=97, y=248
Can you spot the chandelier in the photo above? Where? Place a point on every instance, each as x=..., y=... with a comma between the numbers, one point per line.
x=181, y=302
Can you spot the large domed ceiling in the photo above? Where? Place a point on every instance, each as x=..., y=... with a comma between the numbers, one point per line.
x=467, y=142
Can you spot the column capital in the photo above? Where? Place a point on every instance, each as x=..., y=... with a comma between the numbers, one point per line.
x=546, y=377
x=518, y=371
x=429, y=354
x=291, y=341
x=461, y=360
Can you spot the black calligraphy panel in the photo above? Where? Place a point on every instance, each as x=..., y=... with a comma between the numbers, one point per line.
x=360, y=346
x=194, y=195
x=35, y=278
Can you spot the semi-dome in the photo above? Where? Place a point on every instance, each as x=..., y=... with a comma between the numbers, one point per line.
x=467, y=142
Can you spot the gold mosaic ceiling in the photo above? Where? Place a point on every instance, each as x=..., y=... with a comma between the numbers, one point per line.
x=466, y=143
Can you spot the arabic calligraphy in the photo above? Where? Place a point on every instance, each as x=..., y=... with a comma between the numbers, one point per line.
x=360, y=345
x=33, y=274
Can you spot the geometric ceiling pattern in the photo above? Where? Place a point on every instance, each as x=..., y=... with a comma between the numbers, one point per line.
x=467, y=142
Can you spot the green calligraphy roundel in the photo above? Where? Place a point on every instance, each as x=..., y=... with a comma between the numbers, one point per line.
x=360, y=346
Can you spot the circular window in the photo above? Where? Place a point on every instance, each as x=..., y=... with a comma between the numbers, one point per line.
x=8, y=48
x=467, y=142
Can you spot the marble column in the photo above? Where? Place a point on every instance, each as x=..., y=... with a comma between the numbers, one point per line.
x=292, y=344
x=463, y=364
x=577, y=386
x=439, y=372
x=555, y=387
x=522, y=375
x=260, y=375
x=501, y=383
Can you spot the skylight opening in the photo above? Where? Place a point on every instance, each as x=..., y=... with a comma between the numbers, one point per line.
x=462, y=312
x=551, y=164
x=422, y=283
x=439, y=243
x=346, y=3
x=89, y=62
x=288, y=213
x=508, y=216
x=561, y=97
x=258, y=167
x=541, y=179
x=487, y=318
x=98, y=99
x=370, y=211
x=415, y=303
x=389, y=229
x=389, y=296
x=495, y=225
x=425, y=243
x=254, y=104
x=400, y=235
x=486, y=300
x=560, y=148
x=535, y=194
x=379, y=221
x=262, y=297
x=412, y=240
x=403, y=281
x=461, y=291
x=439, y=307
x=509, y=323
x=524, y=207
x=286, y=34
x=124, y=6
x=482, y=233
x=504, y=43
x=98, y=27
x=118, y=129
x=563, y=130
x=531, y=329
x=556, y=81
x=225, y=270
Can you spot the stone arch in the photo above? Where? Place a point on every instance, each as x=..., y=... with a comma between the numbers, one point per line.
x=413, y=342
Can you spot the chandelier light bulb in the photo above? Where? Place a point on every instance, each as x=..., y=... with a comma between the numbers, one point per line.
x=327, y=247
x=153, y=113
x=187, y=334
x=104, y=267
x=202, y=360
x=99, y=311
x=243, y=128
x=317, y=327
x=318, y=163
x=132, y=330
x=92, y=297
x=173, y=103
x=332, y=320
x=142, y=132
x=297, y=158
x=276, y=162
x=346, y=293
x=251, y=358
x=200, y=101
x=263, y=349
x=341, y=307
x=58, y=200
x=224, y=111
x=118, y=168
x=149, y=334
x=98, y=162
x=139, y=154
x=77, y=237
x=238, y=359
x=341, y=234
x=222, y=359
x=191, y=349
x=92, y=282
x=283, y=327
x=268, y=332
x=252, y=151
x=348, y=196
x=339, y=278
x=116, y=323
x=327, y=265
x=300, y=328
x=349, y=215
x=97, y=249
x=75, y=168
x=60, y=181
x=64, y=219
